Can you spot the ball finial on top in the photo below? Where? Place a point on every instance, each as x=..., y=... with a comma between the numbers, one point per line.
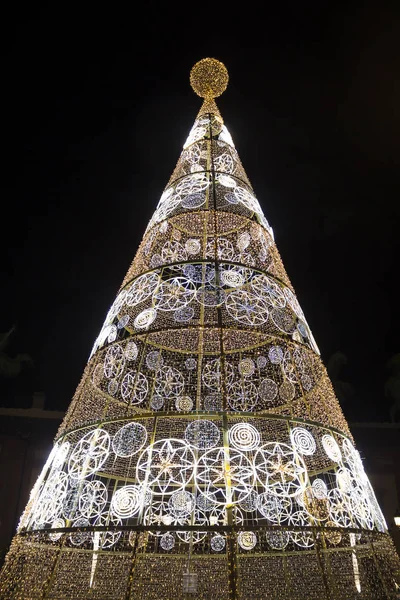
x=209, y=78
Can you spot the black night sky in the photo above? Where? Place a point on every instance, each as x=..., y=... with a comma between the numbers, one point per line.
x=96, y=107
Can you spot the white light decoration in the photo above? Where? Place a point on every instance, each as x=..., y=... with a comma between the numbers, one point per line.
x=167, y=541
x=154, y=360
x=278, y=540
x=92, y=499
x=246, y=367
x=169, y=382
x=331, y=448
x=303, y=441
x=114, y=361
x=134, y=387
x=129, y=440
x=275, y=509
x=217, y=543
x=145, y=318
x=280, y=469
x=57, y=524
x=89, y=454
x=226, y=474
x=303, y=537
x=166, y=465
x=268, y=389
x=275, y=355
x=320, y=488
x=242, y=396
x=354, y=559
x=80, y=537
x=107, y=539
x=181, y=503
x=247, y=540
x=244, y=436
x=202, y=434
x=247, y=308
x=126, y=501
x=184, y=403
x=193, y=246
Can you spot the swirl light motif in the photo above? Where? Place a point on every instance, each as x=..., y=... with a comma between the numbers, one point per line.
x=331, y=447
x=244, y=436
x=303, y=441
x=126, y=501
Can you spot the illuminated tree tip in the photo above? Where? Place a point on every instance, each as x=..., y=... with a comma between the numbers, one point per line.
x=209, y=78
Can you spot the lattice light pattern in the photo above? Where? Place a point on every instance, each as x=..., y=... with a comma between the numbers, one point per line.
x=204, y=443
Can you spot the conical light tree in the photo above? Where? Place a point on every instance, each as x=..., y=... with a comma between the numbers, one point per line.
x=204, y=454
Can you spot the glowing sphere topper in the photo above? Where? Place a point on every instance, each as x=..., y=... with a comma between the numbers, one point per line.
x=209, y=78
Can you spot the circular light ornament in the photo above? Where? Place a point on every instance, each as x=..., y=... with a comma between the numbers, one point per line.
x=184, y=314
x=202, y=434
x=331, y=448
x=58, y=523
x=167, y=541
x=302, y=441
x=320, y=489
x=247, y=540
x=193, y=246
x=217, y=543
x=275, y=509
x=156, y=402
x=242, y=396
x=154, y=360
x=268, y=390
x=332, y=534
x=280, y=469
x=80, y=537
x=131, y=351
x=142, y=288
x=193, y=200
x=92, y=499
x=181, y=503
x=184, y=404
x=243, y=241
x=89, y=454
x=229, y=473
x=277, y=540
x=126, y=501
x=190, y=363
x=169, y=382
x=246, y=367
x=129, y=440
x=244, y=436
x=114, y=362
x=145, y=318
x=134, y=387
x=275, y=355
x=166, y=465
x=232, y=276
x=261, y=362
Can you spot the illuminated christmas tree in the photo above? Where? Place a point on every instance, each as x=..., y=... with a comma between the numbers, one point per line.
x=204, y=454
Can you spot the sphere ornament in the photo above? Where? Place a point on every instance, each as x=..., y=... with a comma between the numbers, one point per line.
x=209, y=78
